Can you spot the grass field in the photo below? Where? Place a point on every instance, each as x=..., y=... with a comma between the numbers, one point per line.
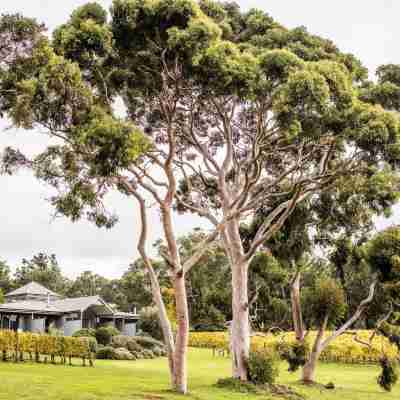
x=148, y=380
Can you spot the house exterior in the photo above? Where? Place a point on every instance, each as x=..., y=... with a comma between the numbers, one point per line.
x=34, y=308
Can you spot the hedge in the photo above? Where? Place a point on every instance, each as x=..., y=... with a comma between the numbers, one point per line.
x=343, y=350
x=41, y=347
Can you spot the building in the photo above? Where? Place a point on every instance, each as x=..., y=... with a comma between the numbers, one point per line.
x=34, y=308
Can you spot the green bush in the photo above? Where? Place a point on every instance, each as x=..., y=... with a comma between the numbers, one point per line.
x=85, y=332
x=122, y=354
x=263, y=367
x=105, y=353
x=104, y=334
x=147, y=354
x=148, y=342
x=133, y=345
x=295, y=354
x=120, y=341
x=91, y=342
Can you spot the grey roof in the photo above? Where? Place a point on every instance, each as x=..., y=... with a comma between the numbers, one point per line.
x=32, y=288
x=56, y=306
x=77, y=303
x=29, y=306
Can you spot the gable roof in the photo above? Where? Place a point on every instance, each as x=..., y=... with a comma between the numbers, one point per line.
x=77, y=303
x=32, y=288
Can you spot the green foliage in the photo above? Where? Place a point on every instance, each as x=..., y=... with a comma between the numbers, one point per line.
x=44, y=269
x=122, y=354
x=296, y=354
x=325, y=299
x=105, y=353
x=149, y=323
x=262, y=367
x=383, y=254
x=391, y=332
x=388, y=377
x=92, y=343
x=104, y=334
x=148, y=342
x=236, y=385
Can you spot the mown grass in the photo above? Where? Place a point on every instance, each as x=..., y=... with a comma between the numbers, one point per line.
x=148, y=380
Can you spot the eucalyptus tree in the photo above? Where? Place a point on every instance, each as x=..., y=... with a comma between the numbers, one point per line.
x=276, y=117
x=227, y=112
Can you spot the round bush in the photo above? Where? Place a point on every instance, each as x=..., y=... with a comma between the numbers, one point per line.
x=263, y=367
x=122, y=354
x=85, y=332
x=148, y=342
x=148, y=354
x=120, y=341
x=104, y=334
x=133, y=345
x=105, y=353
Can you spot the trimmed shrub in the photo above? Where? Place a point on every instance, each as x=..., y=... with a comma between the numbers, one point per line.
x=104, y=334
x=120, y=341
x=147, y=354
x=53, y=347
x=263, y=367
x=122, y=354
x=133, y=345
x=148, y=342
x=105, y=353
x=85, y=332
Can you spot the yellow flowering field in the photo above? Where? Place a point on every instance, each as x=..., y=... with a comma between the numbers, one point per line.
x=344, y=349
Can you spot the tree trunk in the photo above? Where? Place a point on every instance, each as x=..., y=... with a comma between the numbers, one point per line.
x=240, y=329
x=182, y=334
x=308, y=373
x=163, y=318
x=296, y=308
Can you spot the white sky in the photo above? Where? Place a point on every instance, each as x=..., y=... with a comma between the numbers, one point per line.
x=369, y=29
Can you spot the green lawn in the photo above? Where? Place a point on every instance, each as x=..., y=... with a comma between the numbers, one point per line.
x=148, y=379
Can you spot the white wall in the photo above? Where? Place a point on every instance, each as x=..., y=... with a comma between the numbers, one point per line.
x=129, y=329
x=72, y=326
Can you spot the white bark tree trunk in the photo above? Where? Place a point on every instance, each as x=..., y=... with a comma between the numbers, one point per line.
x=182, y=334
x=164, y=320
x=297, y=315
x=240, y=329
x=308, y=372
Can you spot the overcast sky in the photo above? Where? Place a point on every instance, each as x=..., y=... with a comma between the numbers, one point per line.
x=369, y=29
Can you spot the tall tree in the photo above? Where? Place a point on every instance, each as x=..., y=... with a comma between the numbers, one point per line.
x=6, y=283
x=68, y=87
x=43, y=269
